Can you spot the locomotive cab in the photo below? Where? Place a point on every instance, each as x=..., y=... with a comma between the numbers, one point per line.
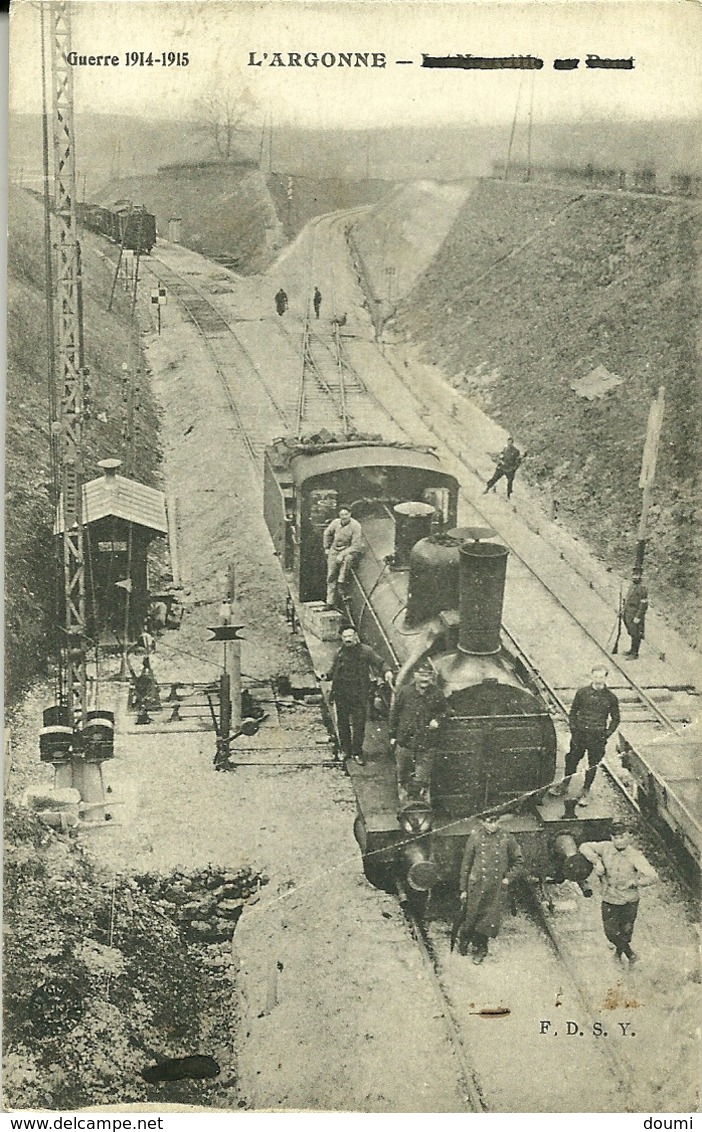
x=305, y=485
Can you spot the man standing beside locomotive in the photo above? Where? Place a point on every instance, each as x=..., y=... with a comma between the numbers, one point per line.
x=622, y=870
x=634, y=612
x=350, y=686
x=343, y=543
x=594, y=717
x=491, y=859
x=507, y=463
x=415, y=715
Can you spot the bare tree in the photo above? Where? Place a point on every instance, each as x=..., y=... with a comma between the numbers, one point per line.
x=226, y=113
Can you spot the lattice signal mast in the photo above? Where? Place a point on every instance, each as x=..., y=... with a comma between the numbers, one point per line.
x=69, y=368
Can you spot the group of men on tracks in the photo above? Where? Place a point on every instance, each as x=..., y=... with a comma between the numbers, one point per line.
x=492, y=858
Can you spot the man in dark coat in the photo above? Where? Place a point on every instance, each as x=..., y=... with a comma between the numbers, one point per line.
x=634, y=612
x=507, y=463
x=281, y=301
x=317, y=301
x=145, y=694
x=492, y=858
x=415, y=715
x=594, y=716
x=350, y=686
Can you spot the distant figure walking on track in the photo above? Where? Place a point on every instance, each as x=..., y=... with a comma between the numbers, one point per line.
x=594, y=716
x=317, y=301
x=623, y=870
x=281, y=301
x=634, y=613
x=507, y=463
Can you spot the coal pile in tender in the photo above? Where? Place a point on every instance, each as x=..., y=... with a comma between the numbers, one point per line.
x=206, y=904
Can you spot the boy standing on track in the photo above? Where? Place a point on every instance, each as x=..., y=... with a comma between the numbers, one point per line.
x=623, y=870
x=594, y=716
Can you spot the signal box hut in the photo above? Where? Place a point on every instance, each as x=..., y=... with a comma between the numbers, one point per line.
x=120, y=518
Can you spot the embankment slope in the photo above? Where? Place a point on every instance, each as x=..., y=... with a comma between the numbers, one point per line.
x=534, y=288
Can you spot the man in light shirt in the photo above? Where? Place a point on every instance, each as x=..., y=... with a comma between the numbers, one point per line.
x=343, y=544
x=623, y=870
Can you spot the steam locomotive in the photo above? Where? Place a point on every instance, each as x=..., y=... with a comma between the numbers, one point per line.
x=126, y=224
x=425, y=592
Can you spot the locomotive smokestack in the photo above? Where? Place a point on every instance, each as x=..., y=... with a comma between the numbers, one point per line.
x=412, y=522
x=482, y=592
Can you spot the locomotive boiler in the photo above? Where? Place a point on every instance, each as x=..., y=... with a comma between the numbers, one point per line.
x=424, y=591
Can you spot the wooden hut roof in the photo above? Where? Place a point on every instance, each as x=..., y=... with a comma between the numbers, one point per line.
x=115, y=496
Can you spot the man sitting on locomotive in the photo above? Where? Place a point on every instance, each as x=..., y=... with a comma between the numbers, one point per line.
x=343, y=544
x=415, y=715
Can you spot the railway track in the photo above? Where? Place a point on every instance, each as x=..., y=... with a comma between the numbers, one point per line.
x=330, y=393
x=471, y=1088
x=533, y=574
x=460, y=996
x=218, y=334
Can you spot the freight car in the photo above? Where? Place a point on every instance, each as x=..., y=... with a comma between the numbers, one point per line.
x=424, y=591
x=128, y=225
x=668, y=788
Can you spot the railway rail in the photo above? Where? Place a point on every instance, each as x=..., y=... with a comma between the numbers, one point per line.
x=471, y=1088
x=218, y=334
x=330, y=392
x=644, y=720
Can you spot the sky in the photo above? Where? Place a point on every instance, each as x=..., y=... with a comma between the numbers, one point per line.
x=665, y=40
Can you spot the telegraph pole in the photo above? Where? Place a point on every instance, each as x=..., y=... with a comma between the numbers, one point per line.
x=648, y=470
x=75, y=741
x=69, y=370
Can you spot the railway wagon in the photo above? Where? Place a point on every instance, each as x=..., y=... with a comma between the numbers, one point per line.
x=424, y=591
x=129, y=225
x=668, y=788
